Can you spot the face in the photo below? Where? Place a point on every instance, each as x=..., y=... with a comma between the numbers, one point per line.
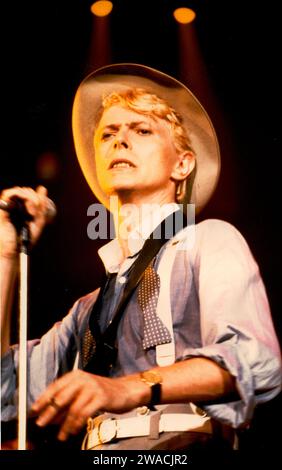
x=135, y=156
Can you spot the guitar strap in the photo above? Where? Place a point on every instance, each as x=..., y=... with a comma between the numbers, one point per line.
x=105, y=343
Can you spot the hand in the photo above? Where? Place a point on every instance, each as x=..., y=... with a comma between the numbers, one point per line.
x=78, y=395
x=35, y=204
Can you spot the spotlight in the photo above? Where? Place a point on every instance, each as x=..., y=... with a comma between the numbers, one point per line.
x=101, y=8
x=184, y=15
x=47, y=166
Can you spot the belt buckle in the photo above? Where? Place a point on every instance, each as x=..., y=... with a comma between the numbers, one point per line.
x=107, y=430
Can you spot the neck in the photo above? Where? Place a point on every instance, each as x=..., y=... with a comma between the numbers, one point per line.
x=128, y=217
x=139, y=198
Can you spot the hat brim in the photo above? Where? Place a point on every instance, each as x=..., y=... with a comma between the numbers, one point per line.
x=120, y=77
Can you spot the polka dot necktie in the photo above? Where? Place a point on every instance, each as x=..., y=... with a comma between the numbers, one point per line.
x=155, y=332
x=88, y=347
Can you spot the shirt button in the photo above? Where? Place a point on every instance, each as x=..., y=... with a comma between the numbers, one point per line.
x=122, y=280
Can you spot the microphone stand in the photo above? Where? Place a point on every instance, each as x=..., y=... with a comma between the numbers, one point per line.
x=24, y=240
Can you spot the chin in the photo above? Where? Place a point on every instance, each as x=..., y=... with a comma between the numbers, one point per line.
x=117, y=190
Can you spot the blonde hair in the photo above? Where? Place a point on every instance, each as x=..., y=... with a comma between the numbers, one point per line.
x=144, y=102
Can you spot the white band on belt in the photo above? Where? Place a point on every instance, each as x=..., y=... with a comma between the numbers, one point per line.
x=139, y=426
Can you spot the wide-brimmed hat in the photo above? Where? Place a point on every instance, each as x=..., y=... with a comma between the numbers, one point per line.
x=119, y=78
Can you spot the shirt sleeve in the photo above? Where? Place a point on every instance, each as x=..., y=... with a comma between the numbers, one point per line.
x=236, y=324
x=49, y=357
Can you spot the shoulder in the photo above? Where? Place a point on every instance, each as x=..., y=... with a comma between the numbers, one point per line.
x=216, y=232
x=220, y=242
x=86, y=302
x=81, y=309
x=212, y=237
x=218, y=227
x=209, y=232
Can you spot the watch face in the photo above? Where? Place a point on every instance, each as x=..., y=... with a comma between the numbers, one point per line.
x=151, y=377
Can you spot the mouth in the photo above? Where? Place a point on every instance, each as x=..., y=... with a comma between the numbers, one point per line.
x=120, y=163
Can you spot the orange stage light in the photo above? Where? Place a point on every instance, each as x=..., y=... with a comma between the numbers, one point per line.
x=101, y=8
x=184, y=15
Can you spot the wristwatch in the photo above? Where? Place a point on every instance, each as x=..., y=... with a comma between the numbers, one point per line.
x=154, y=380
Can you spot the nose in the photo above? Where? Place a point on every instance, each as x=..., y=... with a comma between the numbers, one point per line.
x=121, y=140
x=119, y=143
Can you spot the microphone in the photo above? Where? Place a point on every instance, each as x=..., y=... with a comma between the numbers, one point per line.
x=16, y=208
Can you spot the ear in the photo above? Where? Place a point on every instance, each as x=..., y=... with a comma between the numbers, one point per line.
x=184, y=166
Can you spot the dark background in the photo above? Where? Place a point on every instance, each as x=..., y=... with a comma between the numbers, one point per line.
x=45, y=55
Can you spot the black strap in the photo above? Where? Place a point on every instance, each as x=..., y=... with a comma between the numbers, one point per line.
x=105, y=351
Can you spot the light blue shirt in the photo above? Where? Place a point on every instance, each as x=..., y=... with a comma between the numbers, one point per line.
x=220, y=311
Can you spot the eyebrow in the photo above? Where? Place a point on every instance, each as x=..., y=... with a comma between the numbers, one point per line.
x=131, y=125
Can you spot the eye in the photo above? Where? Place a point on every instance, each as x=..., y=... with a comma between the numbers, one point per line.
x=144, y=131
x=106, y=136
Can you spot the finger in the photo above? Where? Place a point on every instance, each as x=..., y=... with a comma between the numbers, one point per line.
x=46, y=204
x=42, y=401
x=55, y=388
x=42, y=191
x=58, y=403
x=36, y=202
x=21, y=190
x=83, y=407
x=7, y=194
x=72, y=425
x=51, y=413
x=28, y=195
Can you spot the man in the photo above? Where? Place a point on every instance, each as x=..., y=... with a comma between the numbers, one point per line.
x=143, y=138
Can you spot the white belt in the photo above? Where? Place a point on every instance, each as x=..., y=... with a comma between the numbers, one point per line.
x=110, y=429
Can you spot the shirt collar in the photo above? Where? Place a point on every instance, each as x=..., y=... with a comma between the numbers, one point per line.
x=111, y=254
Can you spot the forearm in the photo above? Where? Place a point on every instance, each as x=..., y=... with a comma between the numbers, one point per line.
x=196, y=380
x=8, y=273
